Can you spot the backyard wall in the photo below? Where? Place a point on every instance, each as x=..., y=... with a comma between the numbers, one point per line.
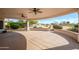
x=70, y=34
x=39, y=29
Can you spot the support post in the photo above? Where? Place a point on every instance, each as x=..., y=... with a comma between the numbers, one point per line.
x=78, y=26
x=78, y=20
x=27, y=25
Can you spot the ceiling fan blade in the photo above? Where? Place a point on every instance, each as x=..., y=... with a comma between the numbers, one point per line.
x=40, y=11
x=38, y=8
x=22, y=15
x=30, y=12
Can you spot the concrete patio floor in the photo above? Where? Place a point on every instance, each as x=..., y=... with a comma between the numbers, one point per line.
x=36, y=40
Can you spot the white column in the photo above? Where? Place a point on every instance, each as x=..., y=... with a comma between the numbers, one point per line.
x=27, y=26
x=78, y=26
x=78, y=21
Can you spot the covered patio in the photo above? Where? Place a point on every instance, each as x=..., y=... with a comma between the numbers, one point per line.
x=36, y=40
x=34, y=13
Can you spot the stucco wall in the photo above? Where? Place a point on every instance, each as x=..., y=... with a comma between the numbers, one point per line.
x=69, y=33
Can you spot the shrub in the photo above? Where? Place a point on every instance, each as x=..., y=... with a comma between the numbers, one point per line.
x=21, y=24
x=35, y=27
x=76, y=25
x=7, y=26
x=75, y=28
x=14, y=25
x=57, y=27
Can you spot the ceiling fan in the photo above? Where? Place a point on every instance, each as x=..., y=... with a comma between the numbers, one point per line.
x=23, y=15
x=32, y=10
x=35, y=10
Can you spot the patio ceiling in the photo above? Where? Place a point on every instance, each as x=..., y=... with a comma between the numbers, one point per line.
x=46, y=12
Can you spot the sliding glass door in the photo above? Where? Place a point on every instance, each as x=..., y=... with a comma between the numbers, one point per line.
x=1, y=25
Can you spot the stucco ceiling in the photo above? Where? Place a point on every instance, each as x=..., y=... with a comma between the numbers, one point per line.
x=46, y=12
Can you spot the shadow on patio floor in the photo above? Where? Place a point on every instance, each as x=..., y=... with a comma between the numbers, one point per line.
x=12, y=41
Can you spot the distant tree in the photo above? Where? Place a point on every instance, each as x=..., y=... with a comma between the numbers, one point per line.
x=31, y=22
x=57, y=26
x=67, y=22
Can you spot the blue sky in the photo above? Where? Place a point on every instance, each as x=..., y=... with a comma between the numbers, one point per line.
x=14, y=20
x=72, y=18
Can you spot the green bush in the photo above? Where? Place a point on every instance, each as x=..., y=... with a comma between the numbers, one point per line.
x=57, y=27
x=21, y=24
x=75, y=28
x=35, y=27
x=76, y=25
x=7, y=26
x=14, y=25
